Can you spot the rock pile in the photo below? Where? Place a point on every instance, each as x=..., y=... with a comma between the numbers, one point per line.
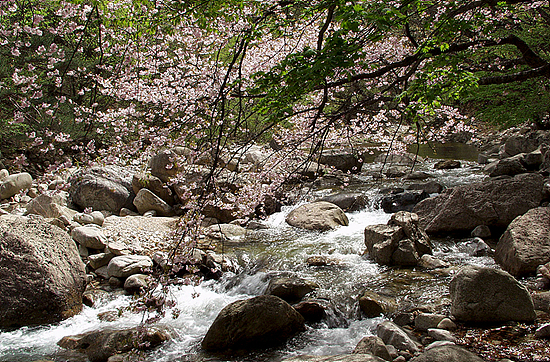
x=401, y=242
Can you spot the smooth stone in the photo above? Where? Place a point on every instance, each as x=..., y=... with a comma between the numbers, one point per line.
x=126, y=265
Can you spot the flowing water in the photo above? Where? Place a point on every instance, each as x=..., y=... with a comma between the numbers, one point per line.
x=279, y=250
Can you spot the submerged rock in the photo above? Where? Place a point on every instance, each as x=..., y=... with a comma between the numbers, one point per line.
x=254, y=323
x=319, y=215
x=447, y=165
x=486, y=295
x=42, y=277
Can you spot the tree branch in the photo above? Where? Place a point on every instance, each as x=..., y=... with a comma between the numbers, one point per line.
x=543, y=71
x=325, y=27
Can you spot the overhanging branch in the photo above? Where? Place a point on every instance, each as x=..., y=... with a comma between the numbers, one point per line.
x=543, y=71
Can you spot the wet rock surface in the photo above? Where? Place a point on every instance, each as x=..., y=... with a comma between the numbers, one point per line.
x=253, y=323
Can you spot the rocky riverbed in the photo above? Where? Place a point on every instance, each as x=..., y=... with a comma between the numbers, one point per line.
x=443, y=261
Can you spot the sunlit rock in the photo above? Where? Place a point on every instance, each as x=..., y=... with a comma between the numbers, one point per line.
x=486, y=295
x=259, y=322
x=319, y=215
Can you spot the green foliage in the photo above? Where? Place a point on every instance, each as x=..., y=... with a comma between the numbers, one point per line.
x=507, y=105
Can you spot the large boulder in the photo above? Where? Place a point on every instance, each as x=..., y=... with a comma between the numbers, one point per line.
x=494, y=202
x=100, y=345
x=526, y=243
x=320, y=215
x=401, y=242
x=102, y=188
x=258, y=322
x=42, y=277
x=486, y=295
x=447, y=353
x=507, y=166
x=13, y=184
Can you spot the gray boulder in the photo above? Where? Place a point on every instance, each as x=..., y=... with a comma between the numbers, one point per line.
x=98, y=260
x=164, y=165
x=291, y=289
x=347, y=201
x=447, y=353
x=100, y=345
x=342, y=161
x=401, y=242
x=373, y=345
x=42, y=277
x=403, y=201
x=393, y=335
x=336, y=358
x=425, y=321
x=136, y=283
x=125, y=265
x=90, y=237
x=258, y=322
x=520, y=144
x=507, y=166
x=373, y=305
x=526, y=243
x=319, y=215
x=51, y=205
x=146, y=200
x=102, y=188
x=144, y=180
x=486, y=295
x=12, y=184
x=225, y=232
x=494, y=202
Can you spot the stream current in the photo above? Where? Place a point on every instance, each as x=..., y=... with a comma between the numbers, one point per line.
x=278, y=250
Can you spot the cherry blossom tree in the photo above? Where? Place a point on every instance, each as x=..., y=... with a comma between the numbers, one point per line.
x=118, y=80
